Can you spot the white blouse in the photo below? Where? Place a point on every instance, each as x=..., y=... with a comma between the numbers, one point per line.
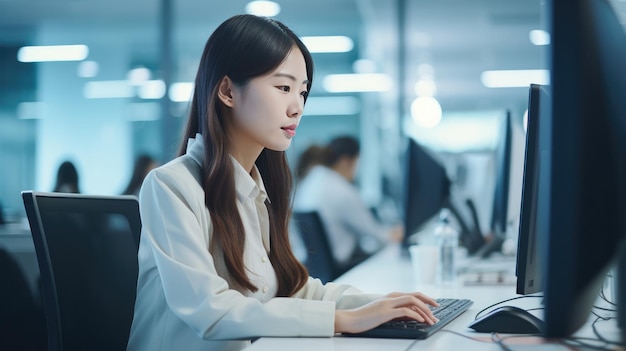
x=186, y=299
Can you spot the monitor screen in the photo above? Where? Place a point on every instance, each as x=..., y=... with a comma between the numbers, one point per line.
x=426, y=188
x=509, y=155
x=584, y=227
x=528, y=263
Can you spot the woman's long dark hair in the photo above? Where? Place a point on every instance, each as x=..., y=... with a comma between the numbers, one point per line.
x=242, y=48
x=67, y=178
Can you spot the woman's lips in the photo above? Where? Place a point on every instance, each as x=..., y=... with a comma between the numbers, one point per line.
x=290, y=130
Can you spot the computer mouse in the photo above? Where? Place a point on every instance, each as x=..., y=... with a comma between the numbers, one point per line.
x=508, y=319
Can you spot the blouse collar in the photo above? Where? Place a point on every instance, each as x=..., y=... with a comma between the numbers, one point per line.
x=248, y=185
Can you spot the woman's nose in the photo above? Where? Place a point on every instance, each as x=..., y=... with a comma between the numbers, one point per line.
x=296, y=108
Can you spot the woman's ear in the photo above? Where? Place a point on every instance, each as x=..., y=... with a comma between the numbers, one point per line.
x=225, y=91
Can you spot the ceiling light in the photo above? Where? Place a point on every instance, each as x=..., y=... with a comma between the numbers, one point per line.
x=137, y=76
x=325, y=44
x=515, y=78
x=263, y=8
x=539, y=37
x=426, y=111
x=151, y=89
x=425, y=87
x=367, y=82
x=332, y=106
x=181, y=91
x=108, y=89
x=52, y=53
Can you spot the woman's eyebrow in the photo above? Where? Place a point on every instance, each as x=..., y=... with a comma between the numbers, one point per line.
x=287, y=75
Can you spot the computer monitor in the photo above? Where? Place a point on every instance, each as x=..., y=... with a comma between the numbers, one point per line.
x=528, y=262
x=503, y=170
x=426, y=188
x=584, y=229
x=508, y=178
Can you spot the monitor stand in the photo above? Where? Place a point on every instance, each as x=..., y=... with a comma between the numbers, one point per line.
x=491, y=246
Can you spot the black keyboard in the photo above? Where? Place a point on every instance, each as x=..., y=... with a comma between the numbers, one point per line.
x=447, y=311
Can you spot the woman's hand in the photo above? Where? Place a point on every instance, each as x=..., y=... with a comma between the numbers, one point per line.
x=392, y=306
x=396, y=234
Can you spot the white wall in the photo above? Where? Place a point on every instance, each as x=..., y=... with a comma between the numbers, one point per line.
x=93, y=133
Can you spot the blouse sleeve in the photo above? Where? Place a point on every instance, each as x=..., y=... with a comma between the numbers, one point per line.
x=172, y=216
x=346, y=296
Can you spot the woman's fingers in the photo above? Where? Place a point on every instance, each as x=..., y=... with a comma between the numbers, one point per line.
x=426, y=299
x=419, y=295
x=412, y=307
x=394, y=306
x=423, y=310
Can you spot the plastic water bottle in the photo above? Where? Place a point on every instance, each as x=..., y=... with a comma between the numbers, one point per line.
x=448, y=240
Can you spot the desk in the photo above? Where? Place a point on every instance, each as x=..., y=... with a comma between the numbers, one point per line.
x=389, y=271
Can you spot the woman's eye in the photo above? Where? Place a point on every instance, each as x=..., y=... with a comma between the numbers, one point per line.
x=304, y=94
x=284, y=88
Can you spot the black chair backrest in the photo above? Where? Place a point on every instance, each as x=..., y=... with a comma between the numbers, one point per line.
x=22, y=319
x=319, y=261
x=86, y=249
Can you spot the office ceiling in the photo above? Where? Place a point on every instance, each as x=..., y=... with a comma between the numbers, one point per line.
x=459, y=38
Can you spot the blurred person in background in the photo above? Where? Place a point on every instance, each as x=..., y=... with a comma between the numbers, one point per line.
x=67, y=179
x=309, y=158
x=143, y=164
x=327, y=186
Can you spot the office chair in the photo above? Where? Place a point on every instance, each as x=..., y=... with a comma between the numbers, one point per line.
x=319, y=261
x=86, y=248
x=22, y=320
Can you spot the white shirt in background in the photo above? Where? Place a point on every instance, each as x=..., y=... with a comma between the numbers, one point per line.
x=346, y=218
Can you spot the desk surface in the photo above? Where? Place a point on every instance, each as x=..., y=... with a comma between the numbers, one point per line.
x=390, y=271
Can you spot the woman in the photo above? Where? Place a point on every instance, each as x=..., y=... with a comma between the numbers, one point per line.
x=328, y=188
x=67, y=179
x=215, y=265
